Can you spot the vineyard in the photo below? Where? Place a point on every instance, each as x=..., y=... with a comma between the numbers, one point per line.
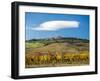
x=52, y=53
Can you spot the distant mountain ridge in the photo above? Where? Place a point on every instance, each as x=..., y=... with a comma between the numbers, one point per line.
x=59, y=38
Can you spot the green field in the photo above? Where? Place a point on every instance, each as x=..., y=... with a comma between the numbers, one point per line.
x=54, y=52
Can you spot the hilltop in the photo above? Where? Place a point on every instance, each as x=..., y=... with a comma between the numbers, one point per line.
x=57, y=44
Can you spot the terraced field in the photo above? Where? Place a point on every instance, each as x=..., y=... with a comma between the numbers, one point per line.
x=56, y=52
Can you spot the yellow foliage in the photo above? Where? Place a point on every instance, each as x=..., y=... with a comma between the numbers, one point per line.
x=82, y=57
x=58, y=56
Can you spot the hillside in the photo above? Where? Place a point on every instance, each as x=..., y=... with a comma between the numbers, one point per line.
x=53, y=44
x=58, y=45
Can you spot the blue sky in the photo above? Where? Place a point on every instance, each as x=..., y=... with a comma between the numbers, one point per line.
x=46, y=25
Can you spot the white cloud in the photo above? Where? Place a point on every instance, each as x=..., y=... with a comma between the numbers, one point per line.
x=56, y=25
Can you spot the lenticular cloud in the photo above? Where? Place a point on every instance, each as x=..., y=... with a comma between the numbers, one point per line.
x=56, y=25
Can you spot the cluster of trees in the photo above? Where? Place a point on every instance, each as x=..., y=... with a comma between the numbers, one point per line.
x=56, y=58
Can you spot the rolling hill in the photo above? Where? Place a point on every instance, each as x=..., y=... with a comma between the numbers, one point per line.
x=73, y=47
x=56, y=44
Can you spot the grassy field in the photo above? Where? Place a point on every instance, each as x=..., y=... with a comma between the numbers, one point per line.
x=54, y=52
